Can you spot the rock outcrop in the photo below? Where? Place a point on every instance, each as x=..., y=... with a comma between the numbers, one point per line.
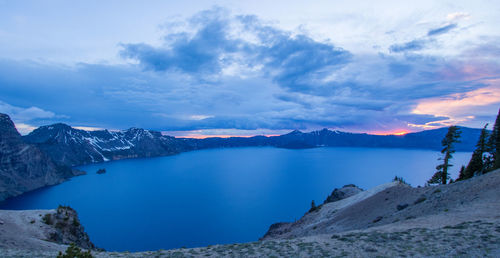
x=67, y=228
x=342, y=193
x=42, y=230
x=23, y=167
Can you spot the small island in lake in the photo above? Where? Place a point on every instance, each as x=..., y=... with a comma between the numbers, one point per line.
x=101, y=171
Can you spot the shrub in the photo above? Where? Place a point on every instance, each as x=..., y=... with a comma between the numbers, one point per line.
x=47, y=219
x=62, y=208
x=74, y=251
x=402, y=206
x=377, y=219
x=314, y=207
x=60, y=225
x=399, y=179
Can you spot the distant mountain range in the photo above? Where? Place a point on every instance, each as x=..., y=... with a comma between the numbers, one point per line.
x=46, y=155
x=72, y=147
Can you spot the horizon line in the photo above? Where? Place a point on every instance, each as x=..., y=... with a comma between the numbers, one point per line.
x=189, y=134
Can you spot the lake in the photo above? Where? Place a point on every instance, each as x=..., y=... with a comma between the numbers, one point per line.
x=219, y=196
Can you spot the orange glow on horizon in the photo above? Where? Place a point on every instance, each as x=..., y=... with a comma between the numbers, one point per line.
x=398, y=132
x=401, y=133
x=200, y=136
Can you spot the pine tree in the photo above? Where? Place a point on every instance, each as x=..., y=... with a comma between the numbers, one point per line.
x=461, y=174
x=476, y=164
x=441, y=176
x=493, y=144
x=313, y=206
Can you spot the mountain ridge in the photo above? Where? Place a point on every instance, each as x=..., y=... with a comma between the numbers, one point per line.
x=46, y=155
x=73, y=147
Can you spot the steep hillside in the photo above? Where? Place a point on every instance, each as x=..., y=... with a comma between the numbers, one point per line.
x=399, y=204
x=23, y=167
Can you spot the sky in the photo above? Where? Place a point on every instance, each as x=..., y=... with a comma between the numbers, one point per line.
x=218, y=68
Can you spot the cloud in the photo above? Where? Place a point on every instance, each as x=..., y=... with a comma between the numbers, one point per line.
x=24, y=129
x=217, y=71
x=459, y=107
x=221, y=42
x=204, y=52
x=413, y=45
x=441, y=30
x=25, y=114
x=199, y=117
x=457, y=16
x=423, y=42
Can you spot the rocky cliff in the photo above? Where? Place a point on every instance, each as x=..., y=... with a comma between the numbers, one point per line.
x=23, y=167
x=66, y=228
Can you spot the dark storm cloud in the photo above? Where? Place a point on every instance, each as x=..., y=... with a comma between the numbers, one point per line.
x=296, y=62
x=194, y=54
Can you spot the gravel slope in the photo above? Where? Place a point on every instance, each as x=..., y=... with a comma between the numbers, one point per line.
x=400, y=204
x=468, y=239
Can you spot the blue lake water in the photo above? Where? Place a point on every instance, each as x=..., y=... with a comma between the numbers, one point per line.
x=220, y=195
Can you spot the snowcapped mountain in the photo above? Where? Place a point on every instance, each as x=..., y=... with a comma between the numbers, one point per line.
x=70, y=146
x=73, y=147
